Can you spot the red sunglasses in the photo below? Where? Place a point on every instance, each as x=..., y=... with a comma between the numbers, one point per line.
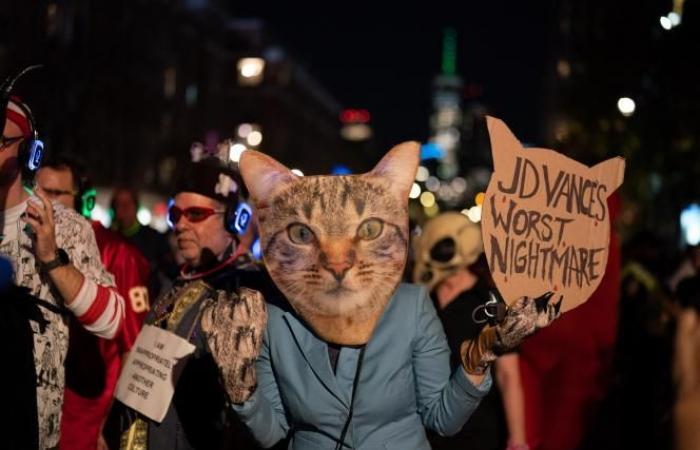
x=193, y=214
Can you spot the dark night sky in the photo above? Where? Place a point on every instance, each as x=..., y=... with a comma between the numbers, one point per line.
x=385, y=62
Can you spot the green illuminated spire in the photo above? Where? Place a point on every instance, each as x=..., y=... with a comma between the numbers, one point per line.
x=449, y=51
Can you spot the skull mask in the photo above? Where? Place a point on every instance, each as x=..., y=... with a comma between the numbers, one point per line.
x=448, y=243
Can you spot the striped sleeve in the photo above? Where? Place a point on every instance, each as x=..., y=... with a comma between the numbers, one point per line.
x=99, y=309
x=98, y=306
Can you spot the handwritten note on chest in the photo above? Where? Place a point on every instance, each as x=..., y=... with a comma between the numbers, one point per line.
x=147, y=382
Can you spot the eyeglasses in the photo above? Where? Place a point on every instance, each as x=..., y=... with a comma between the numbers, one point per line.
x=193, y=214
x=7, y=141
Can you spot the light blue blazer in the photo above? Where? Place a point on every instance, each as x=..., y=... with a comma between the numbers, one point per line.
x=405, y=383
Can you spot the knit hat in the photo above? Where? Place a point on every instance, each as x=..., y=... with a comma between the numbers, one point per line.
x=211, y=178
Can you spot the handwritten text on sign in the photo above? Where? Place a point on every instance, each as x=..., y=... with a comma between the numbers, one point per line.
x=146, y=383
x=545, y=220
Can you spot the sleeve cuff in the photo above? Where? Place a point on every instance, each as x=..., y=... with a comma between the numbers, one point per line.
x=249, y=408
x=473, y=391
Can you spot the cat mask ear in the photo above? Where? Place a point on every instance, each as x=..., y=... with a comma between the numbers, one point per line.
x=399, y=167
x=263, y=176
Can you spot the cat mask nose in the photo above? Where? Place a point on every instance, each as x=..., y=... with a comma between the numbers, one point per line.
x=337, y=267
x=337, y=260
x=338, y=270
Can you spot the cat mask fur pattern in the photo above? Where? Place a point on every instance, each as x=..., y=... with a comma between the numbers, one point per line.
x=336, y=246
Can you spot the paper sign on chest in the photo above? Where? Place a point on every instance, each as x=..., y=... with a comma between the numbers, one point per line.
x=545, y=220
x=147, y=381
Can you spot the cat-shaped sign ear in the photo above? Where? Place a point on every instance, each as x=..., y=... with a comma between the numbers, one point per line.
x=610, y=172
x=399, y=166
x=508, y=145
x=263, y=176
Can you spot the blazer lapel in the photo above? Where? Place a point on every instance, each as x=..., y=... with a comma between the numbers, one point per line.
x=315, y=352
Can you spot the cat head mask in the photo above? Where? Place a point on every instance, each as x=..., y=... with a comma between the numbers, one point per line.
x=336, y=246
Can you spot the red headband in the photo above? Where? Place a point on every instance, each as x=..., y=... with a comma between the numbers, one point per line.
x=16, y=115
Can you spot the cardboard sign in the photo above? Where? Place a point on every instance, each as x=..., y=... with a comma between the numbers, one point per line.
x=545, y=220
x=147, y=382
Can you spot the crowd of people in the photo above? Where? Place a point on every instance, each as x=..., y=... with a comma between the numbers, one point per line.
x=274, y=365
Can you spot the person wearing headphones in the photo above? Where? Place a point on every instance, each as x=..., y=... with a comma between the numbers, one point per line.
x=93, y=364
x=151, y=243
x=55, y=256
x=208, y=216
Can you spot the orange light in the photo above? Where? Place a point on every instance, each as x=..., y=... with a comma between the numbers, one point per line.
x=479, y=199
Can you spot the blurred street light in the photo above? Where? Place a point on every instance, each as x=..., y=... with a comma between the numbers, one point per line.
x=671, y=20
x=340, y=169
x=297, y=172
x=244, y=130
x=690, y=224
x=675, y=18
x=236, y=152
x=355, y=125
x=432, y=183
x=101, y=215
x=427, y=199
x=626, y=106
x=250, y=71
x=459, y=185
x=254, y=138
x=473, y=213
x=415, y=191
x=144, y=216
x=422, y=174
x=356, y=132
x=432, y=210
x=666, y=23
x=355, y=116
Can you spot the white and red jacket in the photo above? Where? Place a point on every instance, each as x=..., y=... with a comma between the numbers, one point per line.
x=97, y=306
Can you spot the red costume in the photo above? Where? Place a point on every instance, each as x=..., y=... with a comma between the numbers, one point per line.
x=93, y=364
x=565, y=367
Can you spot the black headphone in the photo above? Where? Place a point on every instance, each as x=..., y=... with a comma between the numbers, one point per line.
x=31, y=150
x=238, y=214
x=237, y=218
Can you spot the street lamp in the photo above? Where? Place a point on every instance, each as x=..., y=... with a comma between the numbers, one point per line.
x=235, y=152
x=415, y=191
x=626, y=106
x=250, y=71
x=254, y=138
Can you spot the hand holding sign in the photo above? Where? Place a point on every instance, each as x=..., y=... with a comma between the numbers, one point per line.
x=521, y=319
x=545, y=220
